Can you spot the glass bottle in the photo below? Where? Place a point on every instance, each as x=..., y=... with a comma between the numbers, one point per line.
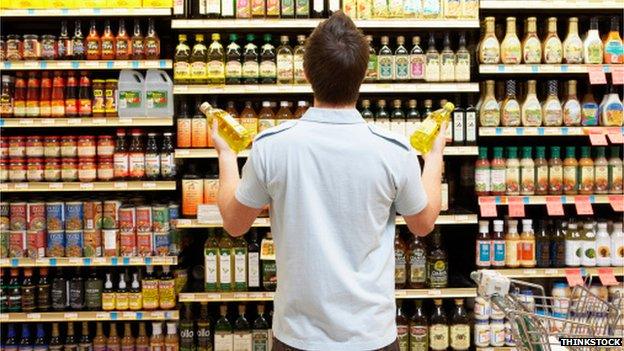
x=510, y=48
x=417, y=261
x=397, y=118
x=285, y=63
x=510, y=116
x=551, y=108
x=447, y=61
x=123, y=44
x=136, y=156
x=168, y=167
x=249, y=120
x=531, y=108
x=216, y=61
x=121, y=294
x=85, y=338
x=603, y=245
x=542, y=244
x=385, y=59
x=127, y=341
x=268, y=66
x=27, y=291
x=55, y=338
x=137, y=42
x=462, y=61
x=260, y=331
x=531, y=45
x=570, y=172
x=498, y=245
x=76, y=291
x=40, y=343
x=204, y=334
x=437, y=263
x=588, y=245
x=85, y=107
x=489, y=48
x=58, y=291
x=589, y=110
x=572, y=107
x=152, y=42
x=610, y=111
x=382, y=118
x=527, y=244
x=78, y=44
x=108, y=294
x=512, y=171
x=527, y=172
x=43, y=290
x=497, y=173
x=135, y=296
x=120, y=157
x=490, y=110
x=417, y=61
x=541, y=171
x=233, y=65
x=432, y=67
x=573, y=246
x=402, y=324
x=25, y=343
x=251, y=68
x=615, y=171
x=172, y=341
x=553, y=50
x=555, y=172
x=298, y=54
x=592, y=46
x=512, y=245
x=558, y=244
x=108, y=42
x=483, y=250
x=198, y=60
x=613, y=43
x=419, y=329
x=242, y=330
x=573, y=45
x=71, y=343
x=400, y=262
x=157, y=340
x=438, y=328
x=93, y=43
x=64, y=44
x=586, y=172
x=223, y=336
x=412, y=118
x=423, y=138
x=482, y=173
x=460, y=327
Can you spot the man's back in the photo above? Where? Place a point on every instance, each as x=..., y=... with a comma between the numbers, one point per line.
x=334, y=185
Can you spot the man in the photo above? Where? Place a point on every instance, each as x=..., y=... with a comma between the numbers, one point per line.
x=334, y=185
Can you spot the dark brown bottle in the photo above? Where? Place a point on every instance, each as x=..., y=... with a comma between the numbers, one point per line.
x=70, y=339
x=437, y=263
x=71, y=95
x=417, y=263
x=438, y=328
x=55, y=339
x=14, y=299
x=28, y=291
x=59, y=291
x=138, y=43
x=400, y=263
x=152, y=42
x=542, y=244
x=85, y=343
x=93, y=292
x=76, y=291
x=43, y=290
x=402, y=327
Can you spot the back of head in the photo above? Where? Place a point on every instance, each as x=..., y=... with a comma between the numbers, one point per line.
x=335, y=61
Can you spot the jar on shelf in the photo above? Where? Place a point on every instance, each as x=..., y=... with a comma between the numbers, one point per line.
x=110, y=100
x=481, y=333
x=105, y=168
x=2, y=48
x=87, y=170
x=4, y=169
x=69, y=147
x=69, y=169
x=105, y=145
x=497, y=333
x=17, y=169
x=34, y=169
x=13, y=48
x=17, y=146
x=34, y=146
x=49, y=48
x=4, y=147
x=99, y=103
x=86, y=146
x=52, y=146
x=31, y=47
x=52, y=171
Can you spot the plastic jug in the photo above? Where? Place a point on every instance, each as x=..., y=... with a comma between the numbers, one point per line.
x=159, y=94
x=130, y=94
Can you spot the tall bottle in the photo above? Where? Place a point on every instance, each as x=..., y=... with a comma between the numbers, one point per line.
x=417, y=60
x=123, y=44
x=107, y=42
x=588, y=245
x=447, y=61
x=510, y=108
x=233, y=65
x=531, y=108
x=462, y=61
x=242, y=330
x=93, y=43
x=531, y=45
x=527, y=244
x=438, y=328
x=260, y=332
x=617, y=245
x=527, y=172
x=510, y=48
x=78, y=43
x=498, y=244
x=552, y=50
x=512, y=245
x=268, y=66
x=417, y=263
x=571, y=107
x=573, y=45
x=603, y=245
x=216, y=61
x=555, y=172
x=25, y=343
x=135, y=296
x=65, y=46
x=592, y=46
x=400, y=262
x=157, y=340
x=610, y=112
x=298, y=54
x=223, y=336
x=71, y=344
x=172, y=341
x=285, y=62
x=40, y=343
x=419, y=329
x=433, y=62
x=460, y=327
x=573, y=246
x=615, y=171
x=489, y=114
x=204, y=335
x=551, y=108
x=402, y=324
x=27, y=291
x=152, y=42
x=483, y=252
x=166, y=289
x=558, y=245
x=237, y=137
x=43, y=290
x=437, y=263
x=150, y=289
x=385, y=59
x=251, y=68
x=198, y=68
x=489, y=48
x=613, y=51
x=138, y=42
x=423, y=138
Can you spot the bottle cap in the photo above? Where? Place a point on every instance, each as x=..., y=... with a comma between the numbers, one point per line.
x=498, y=225
x=216, y=36
x=484, y=226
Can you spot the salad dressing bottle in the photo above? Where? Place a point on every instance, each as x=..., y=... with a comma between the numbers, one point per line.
x=531, y=45
x=511, y=49
x=611, y=109
x=592, y=46
x=512, y=171
x=527, y=172
x=489, y=48
x=570, y=172
x=510, y=116
x=586, y=172
x=615, y=171
x=551, y=109
x=531, y=109
x=489, y=111
x=512, y=245
x=417, y=60
x=553, y=50
x=573, y=45
x=555, y=172
x=613, y=51
x=589, y=110
x=572, y=107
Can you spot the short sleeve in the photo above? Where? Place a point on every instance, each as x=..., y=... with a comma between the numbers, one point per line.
x=252, y=189
x=410, y=198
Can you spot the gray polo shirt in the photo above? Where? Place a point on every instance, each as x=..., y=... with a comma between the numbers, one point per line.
x=334, y=185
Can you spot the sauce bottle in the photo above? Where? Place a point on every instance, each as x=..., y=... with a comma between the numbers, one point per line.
x=570, y=172
x=45, y=97
x=93, y=292
x=489, y=113
x=199, y=130
x=603, y=246
x=123, y=44
x=601, y=172
x=483, y=254
x=152, y=158
x=542, y=244
x=94, y=43
x=32, y=95
x=99, y=340
x=166, y=290
x=531, y=108
x=592, y=46
x=541, y=171
x=70, y=340
x=586, y=172
x=588, y=245
x=136, y=156
x=417, y=60
x=268, y=67
x=237, y=136
x=285, y=63
x=573, y=45
x=438, y=328
x=615, y=171
x=108, y=42
x=617, y=245
x=553, y=49
x=55, y=338
x=19, y=95
x=497, y=173
x=527, y=172
x=64, y=44
x=558, y=245
x=168, y=168
x=613, y=51
x=198, y=61
x=433, y=62
x=108, y=294
x=489, y=48
x=182, y=61
x=402, y=61
x=121, y=157
x=589, y=110
x=142, y=340
x=447, y=61
x=510, y=116
x=233, y=65
x=251, y=122
x=43, y=290
x=498, y=245
x=76, y=291
x=78, y=45
x=482, y=173
x=251, y=67
x=137, y=43
x=302, y=108
x=192, y=193
x=510, y=48
x=216, y=61
x=121, y=295
x=85, y=100
x=572, y=107
x=412, y=117
x=283, y=114
x=462, y=61
x=611, y=114
x=127, y=341
x=28, y=291
x=512, y=245
x=71, y=101
x=527, y=242
x=460, y=327
x=555, y=172
x=150, y=289
x=298, y=54
x=551, y=109
x=171, y=339
x=113, y=343
x=531, y=45
x=512, y=171
x=152, y=43
x=183, y=123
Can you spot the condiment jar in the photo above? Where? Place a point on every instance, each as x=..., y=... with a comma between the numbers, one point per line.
x=34, y=169
x=497, y=333
x=4, y=169
x=105, y=168
x=87, y=170
x=482, y=308
x=51, y=146
x=13, y=48
x=17, y=146
x=110, y=102
x=17, y=170
x=69, y=169
x=561, y=299
x=49, y=50
x=4, y=147
x=105, y=145
x=31, y=47
x=52, y=171
x=481, y=333
x=99, y=103
x=86, y=146
x=34, y=146
x=68, y=146
x=2, y=48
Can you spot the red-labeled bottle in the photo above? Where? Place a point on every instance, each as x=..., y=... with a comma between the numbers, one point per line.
x=108, y=42
x=58, y=95
x=84, y=95
x=19, y=95
x=120, y=157
x=45, y=97
x=94, y=44
x=136, y=156
x=138, y=42
x=122, y=42
x=71, y=95
x=32, y=96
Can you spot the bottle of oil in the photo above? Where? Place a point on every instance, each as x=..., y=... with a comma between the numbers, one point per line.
x=237, y=137
x=198, y=72
x=182, y=58
x=216, y=61
x=423, y=138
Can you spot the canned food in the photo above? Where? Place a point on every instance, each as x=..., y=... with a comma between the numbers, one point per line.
x=36, y=215
x=74, y=215
x=174, y=214
x=144, y=218
x=5, y=221
x=110, y=214
x=92, y=243
x=73, y=243
x=127, y=243
x=17, y=214
x=56, y=243
x=144, y=243
x=161, y=243
x=35, y=243
x=55, y=216
x=110, y=241
x=160, y=218
x=17, y=243
x=4, y=243
x=92, y=214
x=127, y=219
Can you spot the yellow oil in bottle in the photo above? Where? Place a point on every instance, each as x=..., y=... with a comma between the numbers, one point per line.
x=229, y=129
x=423, y=138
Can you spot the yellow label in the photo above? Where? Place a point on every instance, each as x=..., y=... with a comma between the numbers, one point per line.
x=150, y=294
x=108, y=301
x=587, y=178
x=166, y=294
x=121, y=301
x=569, y=177
x=439, y=337
x=216, y=69
x=135, y=301
x=460, y=337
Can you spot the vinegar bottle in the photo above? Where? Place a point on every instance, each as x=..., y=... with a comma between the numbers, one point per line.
x=237, y=137
x=423, y=138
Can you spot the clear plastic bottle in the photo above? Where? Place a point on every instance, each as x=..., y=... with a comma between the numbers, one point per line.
x=237, y=137
x=603, y=245
x=588, y=245
x=423, y=138
x=573, y=246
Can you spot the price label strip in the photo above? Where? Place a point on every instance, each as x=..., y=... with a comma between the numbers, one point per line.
x=583, y=205
x=488, y=206
x=573, y=276
x=607, y=278
x=516, y=206
x=596, y=75
x=617, y=202
x=554, y=206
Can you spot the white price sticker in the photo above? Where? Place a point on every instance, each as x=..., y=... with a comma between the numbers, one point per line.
x=120, y=185
x=26, y=122
x=149, y=185
x=86, y=186
x=33, y=316
x=71, y=315
x=74, y=121
x=21, y=186
x=434, y=292
x=55, y=186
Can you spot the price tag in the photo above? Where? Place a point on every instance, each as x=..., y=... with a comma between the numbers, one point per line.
x=551, y=271
x=208, y=214
x=183, y=152
x=529, y=272
x=33, y=316
x=183, y=222
x=617, y=74
x=240, y=295
x=90, y=64
x=125, y=120
x=48, y=121
x=63, y=64
x=151, y=63
x=596, y=75
x=31, y=64
x=128, y=315
x=180, y=88
x=615, y=135
x=74, y=121
x=101, y=316
x=134, y=261
x=71, y=315
x=597, y=137
x=149, y=185
x=98, y=261
x=434, y=292
x=86, y=186
x=617, y=202
x=98, y=121
x=488, y=206
x=120, y=185
x=21, y=186
x=516, y=206
x=74, y=261
x=4, y=316
x=573, y=276
x=554, y=206
x=400, y=293
x=213, y=297
x=55, y=186
x=607, y=277
x=26, y=122
x=583, y=206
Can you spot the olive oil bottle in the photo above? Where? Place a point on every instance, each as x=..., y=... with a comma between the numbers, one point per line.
x=386, y=61
x=199, y=71
x=233, y=65
x=182, y=61
x=432, y=66
x=216, y=61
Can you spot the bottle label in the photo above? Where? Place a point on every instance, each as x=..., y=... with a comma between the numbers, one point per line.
x=268, y=69
x=400, y=270
x=122, y=49
x=157, y=99
x=417, y=64
x=527, y=177
x=418, y=338
x=260, y=340
x=489, y=51
x=615, y=177
x=225, y=269
x=197, y=69
x=257, y=7
x=253, y=259
x=108, y=301
x=438, y=337
x=204, y=337
x=532, y=51
x=498, y=257
x=386, y=67
x=130, y=99
x=589, y=253
x=93, y=48
x=121, y=165
x=511, y=50
x=233, y=69
x=511, y=253
x=138, y=47
x=541, y=175
x=586, y=178
x=216, y=69
x=251, y=69
x=242, y=341
x=167, y=165
x=589, y=114
x=135, y=301
x=438, y=273
x=184, y=132
x=511, y=113
x=240, y=268
x=570, y=178
x=152, y=165
x=458, y=127
x=210, y=269
x=403, y=337
x=150, y=294
x=136, y=162
x=471, y=126
x=447, y=67
x=555, y=178
x=528, y=251
x=432, y=68
x=573, y=252
x=572, y=113
x=285, y=68
x=573, y=51
x=460, y=337
x=418, y=266
x=482, y=179
x=553, y=115
x=462, y=68
x=166, y=293
x=402, y=67
x=288, y=8
x=490, y=114
x=497, y=176
x=223, y=341
x=613, y=114
x=483, y=253
x=512, y=178
x=553, y=51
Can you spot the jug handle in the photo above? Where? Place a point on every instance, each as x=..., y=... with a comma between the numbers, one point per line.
x=138, y=76
x=165, y=76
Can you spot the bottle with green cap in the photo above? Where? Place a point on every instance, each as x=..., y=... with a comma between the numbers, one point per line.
x=497, y=173
x=424, y=136
x=251, y=67
x=586, y=172
x=482, y=173
x=555, y=172
x=615, y=171
x=268, y=67
x=512, y=171
x=541, y=171
x=601, y=171
x=570, y=172
x=216, y=61
x=233, y=65
x=527, y=172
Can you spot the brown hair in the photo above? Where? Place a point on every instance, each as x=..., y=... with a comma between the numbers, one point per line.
x=336, y=60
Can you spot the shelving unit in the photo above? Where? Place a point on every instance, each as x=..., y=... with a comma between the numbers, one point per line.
x=550, y=5
x=546, y=131
x=91, y=65
x=87, y=12
x=88, y=316
x=529, y=273
x=89, y=261
x=564, y=199
x=544, y=68
x=86, y=122
x=310, y=23
x=95, y=186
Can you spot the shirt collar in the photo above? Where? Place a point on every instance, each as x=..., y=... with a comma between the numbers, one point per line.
x=332, y=116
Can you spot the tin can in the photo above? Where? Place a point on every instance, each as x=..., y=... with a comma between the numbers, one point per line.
x=17, y=243
x=144, y=218
x=92, y=243
x=35, y=243
x=175, y=236
x=127, y=243
x=17, y=213
x=55, y=215
x=127, y=219
x=110, y=242
x=74, y=240
x=56, y=243
x=92, y=219
x=174, y=214
x=160, y=218
x=4, y=243
x=110, y=214
x=74, y=215
x=161, y=243
x=36, y=216
x=145, y=243
x=5, y=220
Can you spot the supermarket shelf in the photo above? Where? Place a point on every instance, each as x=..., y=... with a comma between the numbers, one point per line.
x=21, y=317
x=212, y=153
x=546, y=131
x=504, y=348
x=541, y=200
x=312, y=23
x=89, y=261
x=85, y=12
x=552, y=272
x=266, y=222
x=542, y=69
x=86, y=122
x=268, y=296
x=306, y=89
x=96, y=186
x=99, y=64
x=550, y=4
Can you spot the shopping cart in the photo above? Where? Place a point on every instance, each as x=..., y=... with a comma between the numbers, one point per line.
x=539, y=321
